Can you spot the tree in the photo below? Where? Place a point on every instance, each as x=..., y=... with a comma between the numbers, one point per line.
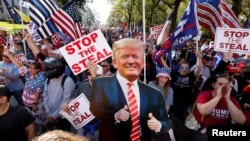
x=81, y=3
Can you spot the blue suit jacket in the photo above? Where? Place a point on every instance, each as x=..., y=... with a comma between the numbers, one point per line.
x=107, y=98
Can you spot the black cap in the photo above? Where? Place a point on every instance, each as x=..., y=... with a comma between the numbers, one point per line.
x=4, y=91
x=207, y=57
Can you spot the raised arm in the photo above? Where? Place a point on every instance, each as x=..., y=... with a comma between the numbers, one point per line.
x=199, y=64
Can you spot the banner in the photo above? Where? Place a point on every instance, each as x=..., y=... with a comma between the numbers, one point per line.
x=92, y=47
x=233, y=40
x=79, y=114
x=155, y=30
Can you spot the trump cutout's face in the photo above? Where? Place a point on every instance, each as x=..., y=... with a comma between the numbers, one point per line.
x=129, y=62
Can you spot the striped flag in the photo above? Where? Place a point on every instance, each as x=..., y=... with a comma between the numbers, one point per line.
x=40, y=12
x=216, y=13
x=65, y=22
x=71, y=9
x=47, y=29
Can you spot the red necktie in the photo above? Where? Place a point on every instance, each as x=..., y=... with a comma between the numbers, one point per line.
x=133, y=109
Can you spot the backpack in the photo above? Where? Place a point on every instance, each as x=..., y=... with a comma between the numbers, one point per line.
x=62, y=82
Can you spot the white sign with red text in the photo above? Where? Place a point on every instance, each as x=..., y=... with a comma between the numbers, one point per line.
x=92, y=47
x=235, y=40
x=155, y=31
x=79, y=114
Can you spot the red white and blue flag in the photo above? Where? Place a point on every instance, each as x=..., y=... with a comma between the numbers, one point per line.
x=71, y=9
x=216, y=13
x=186, y=30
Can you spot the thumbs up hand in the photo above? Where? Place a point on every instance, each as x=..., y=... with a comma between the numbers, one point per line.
x=153, y=123
x=123, y=114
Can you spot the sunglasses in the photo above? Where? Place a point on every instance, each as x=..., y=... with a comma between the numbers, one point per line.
x=104, y=65
x=184, y=68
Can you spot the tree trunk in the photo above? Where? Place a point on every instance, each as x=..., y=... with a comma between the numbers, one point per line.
x=237, y=4
x=175, y=12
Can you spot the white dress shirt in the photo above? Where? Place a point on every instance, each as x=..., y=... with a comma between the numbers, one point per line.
x=124, y=85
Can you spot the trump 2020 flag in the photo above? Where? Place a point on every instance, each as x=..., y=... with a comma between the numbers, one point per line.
x=186, y=29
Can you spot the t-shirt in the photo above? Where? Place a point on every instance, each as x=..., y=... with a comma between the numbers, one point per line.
x=13, y=124
x=183, y=88
x=220, y=115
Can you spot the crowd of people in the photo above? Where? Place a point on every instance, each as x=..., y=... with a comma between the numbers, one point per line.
x=215, y=84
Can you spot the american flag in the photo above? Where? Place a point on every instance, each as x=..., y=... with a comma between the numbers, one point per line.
x=216, y=13
x=40, y=12
x=71, y=9
x=64, y=22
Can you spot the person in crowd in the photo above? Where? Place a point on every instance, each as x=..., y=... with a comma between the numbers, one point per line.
x=35, y=80
x=245, y=98
x=216, y=106
x=58, y=89
x=11, y=77
x=16, y=123
x=127, y=108
x=241, y=77
x=162, y=83
x=183, y=84
x=59, y=135
x=19, y=51
x=245, y=59
x=90, y=130
x=105, y=64
x=205, y=71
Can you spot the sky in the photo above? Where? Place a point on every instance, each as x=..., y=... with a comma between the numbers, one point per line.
x=101, y=8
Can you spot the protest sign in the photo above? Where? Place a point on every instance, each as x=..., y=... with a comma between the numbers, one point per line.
x=234, y=40
x=40, y=115
x=32, y=27
x=92, y=47
x=155, y=31
x=79, y=114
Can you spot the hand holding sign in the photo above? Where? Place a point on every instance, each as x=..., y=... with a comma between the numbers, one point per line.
x=92, y=47
x=79, y=113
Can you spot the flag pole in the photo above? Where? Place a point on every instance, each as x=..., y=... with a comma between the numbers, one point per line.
x=3, y=3
x=24, y=45
x=144, y=39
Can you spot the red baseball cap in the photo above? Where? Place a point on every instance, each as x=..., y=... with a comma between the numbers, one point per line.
x=232, y=69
